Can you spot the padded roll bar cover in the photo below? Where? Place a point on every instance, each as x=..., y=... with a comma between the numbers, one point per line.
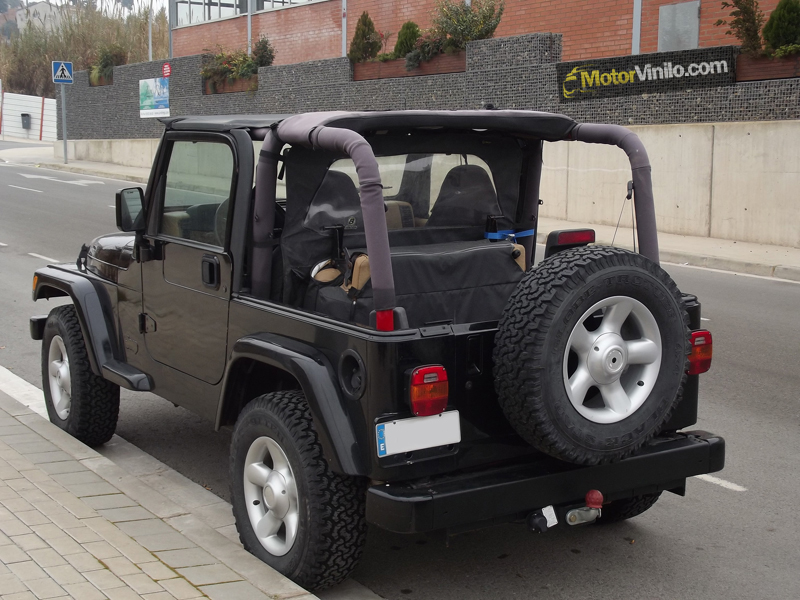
x=264, y=213
x=616, y=135
x=296, y=131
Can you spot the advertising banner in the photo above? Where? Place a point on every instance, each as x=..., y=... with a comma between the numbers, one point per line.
x=153, y=98
x=646, y=73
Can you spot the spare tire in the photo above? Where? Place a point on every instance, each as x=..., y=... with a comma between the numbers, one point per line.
x=591, y=354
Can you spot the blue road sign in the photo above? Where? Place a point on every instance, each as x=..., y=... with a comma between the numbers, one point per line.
x=62, y=71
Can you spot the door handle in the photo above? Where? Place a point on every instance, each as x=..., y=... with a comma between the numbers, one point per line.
x=209, y=267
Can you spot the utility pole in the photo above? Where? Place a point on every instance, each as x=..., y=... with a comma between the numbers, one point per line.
x=344, y=28
x=150, y=33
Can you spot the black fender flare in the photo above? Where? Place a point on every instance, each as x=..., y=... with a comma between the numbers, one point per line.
x=93, y=306
x=317, y=378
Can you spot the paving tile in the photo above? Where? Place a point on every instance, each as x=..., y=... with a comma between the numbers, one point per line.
x=32, y=517
x=45, y=588
x=104, y=580
x=34, y=496
x=5, y=514
x=142, y=584
x=5, y=540
x=164, y=541
x=209, y=574
x=48, y=506
x=7, y=493
x=29, y=542
x=64, y=519
x=14, y=527
x=84, y=562
x=119, y=565
x=26, y=595
x=12, y=554
x=100, y=488
x=158, y=596
x=133, y=513
x=239, y=590
x=50, y=487
x=158, y=571
x=84, y=591
x=34, y=447
x=47, y=557
x=123, y=593
x=147, y=527
x=192, y=557
x=180, y=588
x=65, y=545
x=66, y=466
x=76, y=477
x=74, y=505
x=20, y=484
x=35, y=475
x=48, y=531
x=27, y=570
x=128, y=547
x=83, y=535
x=4, y=570
x=65, y=574
x=108, y=501
x=47, y=457
x=17, y=505
x=101, y=550
x=215, y=515
x=10, y=584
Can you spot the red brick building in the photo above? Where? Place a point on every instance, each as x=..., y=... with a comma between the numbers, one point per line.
x=303, y=30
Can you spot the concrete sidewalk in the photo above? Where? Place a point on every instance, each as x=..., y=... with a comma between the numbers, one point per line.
x=74, y=524
x=727, y=255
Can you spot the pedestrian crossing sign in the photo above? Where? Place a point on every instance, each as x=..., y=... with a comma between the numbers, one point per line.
x=62, y=71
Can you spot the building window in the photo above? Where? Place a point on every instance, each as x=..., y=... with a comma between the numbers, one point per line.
x=679, y=26
x=189, y=12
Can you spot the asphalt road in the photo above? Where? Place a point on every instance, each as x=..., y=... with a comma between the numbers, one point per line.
x=716, y=542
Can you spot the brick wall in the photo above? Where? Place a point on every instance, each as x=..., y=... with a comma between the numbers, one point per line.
x=710, y=12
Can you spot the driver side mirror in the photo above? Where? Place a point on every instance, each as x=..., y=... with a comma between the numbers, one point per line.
x=130, y=213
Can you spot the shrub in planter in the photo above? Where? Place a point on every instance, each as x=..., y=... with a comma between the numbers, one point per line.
x=428, y=45
x=745, y=23
x=783, y=27
x=366, y=42
x=406, y=38
x=263, y=52
x=460, y=22
x=107, y=58
x=223, y=66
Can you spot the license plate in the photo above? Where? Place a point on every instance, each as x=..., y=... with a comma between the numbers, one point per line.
x=416, y=433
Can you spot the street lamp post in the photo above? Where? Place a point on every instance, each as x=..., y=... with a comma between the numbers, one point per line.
x=150, y=33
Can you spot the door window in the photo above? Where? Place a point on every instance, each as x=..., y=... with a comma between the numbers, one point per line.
x=197, y=191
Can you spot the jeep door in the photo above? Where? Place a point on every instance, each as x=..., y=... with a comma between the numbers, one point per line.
x=187, y=283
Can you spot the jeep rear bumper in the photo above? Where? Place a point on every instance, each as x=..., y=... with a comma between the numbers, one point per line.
x=453, y=501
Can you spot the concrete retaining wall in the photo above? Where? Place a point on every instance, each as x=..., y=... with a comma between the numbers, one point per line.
x=735, y=181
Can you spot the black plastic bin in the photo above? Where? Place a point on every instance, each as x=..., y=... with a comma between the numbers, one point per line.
x=26, y=121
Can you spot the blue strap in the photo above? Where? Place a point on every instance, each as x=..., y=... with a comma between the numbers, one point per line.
x=508, y=234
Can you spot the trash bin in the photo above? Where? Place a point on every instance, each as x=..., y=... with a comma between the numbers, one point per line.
x=26, y=121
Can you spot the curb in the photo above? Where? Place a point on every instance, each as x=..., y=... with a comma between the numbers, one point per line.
x=96, y=172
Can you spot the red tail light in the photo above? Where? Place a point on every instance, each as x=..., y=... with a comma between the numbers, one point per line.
x=428, y=391
x=702, y=349
x=384, y=320
x=576, y=236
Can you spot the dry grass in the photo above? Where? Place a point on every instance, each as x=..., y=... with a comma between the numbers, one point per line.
x=84, y=29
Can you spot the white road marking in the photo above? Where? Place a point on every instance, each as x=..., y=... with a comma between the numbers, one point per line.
x=81, y=182
x=704, y=319
x=47, y=258
x=2, y=245
x=722, y=482
x=22, y=391
x=26, y=189
x=111, y=206
x=735, y=273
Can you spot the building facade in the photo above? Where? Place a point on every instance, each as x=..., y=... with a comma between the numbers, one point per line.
x=303, y=30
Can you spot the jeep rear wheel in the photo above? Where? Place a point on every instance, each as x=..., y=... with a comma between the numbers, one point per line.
x=81, y=403
x=291, y=510
x=591, y=354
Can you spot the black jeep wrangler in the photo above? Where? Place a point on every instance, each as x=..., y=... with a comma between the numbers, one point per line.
x=369, y=318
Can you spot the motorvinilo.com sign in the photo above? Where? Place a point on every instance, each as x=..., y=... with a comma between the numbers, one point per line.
x=646, y=73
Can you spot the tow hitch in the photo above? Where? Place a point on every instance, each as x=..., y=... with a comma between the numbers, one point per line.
x=543, y=519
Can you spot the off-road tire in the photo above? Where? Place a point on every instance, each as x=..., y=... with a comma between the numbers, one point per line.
x=332, y=525
x=620, y=510
x=94, y=406
x=532, y=340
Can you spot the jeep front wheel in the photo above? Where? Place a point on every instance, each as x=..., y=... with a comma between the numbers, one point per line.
x=291, y=510
x=81, y=403
x=591, y=354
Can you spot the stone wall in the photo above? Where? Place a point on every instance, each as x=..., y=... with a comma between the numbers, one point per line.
x=518, y=72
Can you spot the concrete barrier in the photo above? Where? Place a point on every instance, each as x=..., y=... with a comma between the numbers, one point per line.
x=736, y=181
